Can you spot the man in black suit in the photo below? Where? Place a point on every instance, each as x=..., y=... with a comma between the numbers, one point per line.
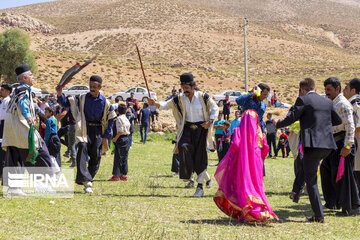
x=317, y=115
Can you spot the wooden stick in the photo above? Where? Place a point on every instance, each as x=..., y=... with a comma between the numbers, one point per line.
x=142, y=68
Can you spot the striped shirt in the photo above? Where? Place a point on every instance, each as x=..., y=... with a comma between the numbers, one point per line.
x=345, y=110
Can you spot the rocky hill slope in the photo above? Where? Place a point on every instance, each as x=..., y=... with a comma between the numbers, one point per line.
x=287, y=41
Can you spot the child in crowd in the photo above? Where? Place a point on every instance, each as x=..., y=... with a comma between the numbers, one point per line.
x=225, y=140
x=226, y=107
x=218, y=132
x=270, y=134
x=51, y=138
x=283, y=141
x=130, y=116
x=235, y=123
x=122, y=145
x=145, y=115
x=154, y=114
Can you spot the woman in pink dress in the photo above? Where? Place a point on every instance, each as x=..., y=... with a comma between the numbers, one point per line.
x=241, y=192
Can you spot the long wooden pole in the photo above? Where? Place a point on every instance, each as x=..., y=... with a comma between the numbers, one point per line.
x=142, y=68
x=246, y=57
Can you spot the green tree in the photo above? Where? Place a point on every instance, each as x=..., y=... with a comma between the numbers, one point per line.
x=14, y=50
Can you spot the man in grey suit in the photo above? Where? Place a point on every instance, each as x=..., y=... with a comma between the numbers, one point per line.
x=317, y=115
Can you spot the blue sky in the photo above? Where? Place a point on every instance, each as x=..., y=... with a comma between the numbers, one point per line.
x=15, y=3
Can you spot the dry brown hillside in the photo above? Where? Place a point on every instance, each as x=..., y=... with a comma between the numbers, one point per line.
x=288, y=40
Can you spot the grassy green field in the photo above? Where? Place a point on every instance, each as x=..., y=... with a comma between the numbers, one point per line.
x=153, y=205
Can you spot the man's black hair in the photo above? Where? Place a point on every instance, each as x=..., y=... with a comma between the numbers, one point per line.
x=335, y=82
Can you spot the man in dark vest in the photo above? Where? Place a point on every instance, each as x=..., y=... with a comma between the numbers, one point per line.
x=94, y=119
x=194, y=112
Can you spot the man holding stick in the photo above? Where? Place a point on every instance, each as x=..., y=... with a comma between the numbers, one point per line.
x=94, y=122
x=194, y=112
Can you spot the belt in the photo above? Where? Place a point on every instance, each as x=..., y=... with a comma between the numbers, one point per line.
x=93, y=124
x=339, y=136
x=193, y=125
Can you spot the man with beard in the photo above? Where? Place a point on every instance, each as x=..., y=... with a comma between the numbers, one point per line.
x=194, y=112
x=343, y=193
x=94, y=119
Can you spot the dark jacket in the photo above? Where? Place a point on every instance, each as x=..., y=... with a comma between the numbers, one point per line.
x=317, y=115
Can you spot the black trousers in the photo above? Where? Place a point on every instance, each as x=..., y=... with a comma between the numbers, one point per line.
x=357, y=178
x=175, y=165
x=281, y=147
x=311, y=160
x=299, y=181
x=16, y=157
x=192, y=151
x=87, y=171
x=225, y=149
x=343, y=193
x=271, y=141
x=122, y=147
x=2, y=152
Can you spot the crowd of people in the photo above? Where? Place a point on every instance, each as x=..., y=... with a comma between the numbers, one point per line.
x=319, y=128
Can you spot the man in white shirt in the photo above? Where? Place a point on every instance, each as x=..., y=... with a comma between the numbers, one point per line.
x=194, y=112
x=5, y=91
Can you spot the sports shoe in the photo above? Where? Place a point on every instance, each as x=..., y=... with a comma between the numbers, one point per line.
x=16, y=192
x=123, y=178
x=87, y=184
x=199, y=192
x=190, y=184
x=209, y=183
x=175, y=175
x=66, y=154
x=88, y=190
x=72, y=165
x=114, y=179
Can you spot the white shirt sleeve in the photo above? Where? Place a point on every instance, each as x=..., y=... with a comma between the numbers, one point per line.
x=165, y=105
x=214, y=110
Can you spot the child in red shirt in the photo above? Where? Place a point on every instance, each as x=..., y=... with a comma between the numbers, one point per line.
x=283, y=142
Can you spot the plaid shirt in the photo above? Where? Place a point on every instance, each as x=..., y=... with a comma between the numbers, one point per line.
x=345, y=110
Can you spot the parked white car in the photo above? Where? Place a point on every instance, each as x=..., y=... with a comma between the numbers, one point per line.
x=76, y=90
x=233, y=95
x=141, y=94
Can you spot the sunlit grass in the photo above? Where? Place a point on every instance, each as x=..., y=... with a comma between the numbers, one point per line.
x=152, y=205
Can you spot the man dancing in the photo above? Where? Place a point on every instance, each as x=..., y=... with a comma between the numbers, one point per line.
x=194, y=112
x=94, y=122
x=19, y=116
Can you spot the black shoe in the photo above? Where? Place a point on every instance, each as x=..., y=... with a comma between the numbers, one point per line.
x=190, y=185
x=330, y=207
x=346, y=213
x=209, y=183
x=354, y=212
x=315, y=219
x=295, y=197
